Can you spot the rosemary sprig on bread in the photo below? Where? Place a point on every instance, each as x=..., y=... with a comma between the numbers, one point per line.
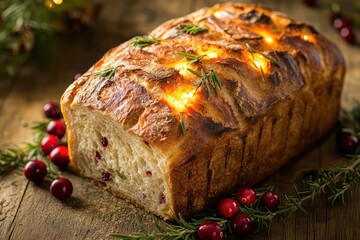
x=143, y=41
x=193, y=29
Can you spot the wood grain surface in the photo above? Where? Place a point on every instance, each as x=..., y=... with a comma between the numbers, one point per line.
x=28, y=211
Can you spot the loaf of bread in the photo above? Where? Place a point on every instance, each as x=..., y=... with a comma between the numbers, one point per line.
x=202, y=105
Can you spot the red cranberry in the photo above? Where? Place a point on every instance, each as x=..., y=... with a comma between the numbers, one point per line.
x=162, y=199
x=246, y=196
x=148, y=172
x=347, y=33
x=143, y=197
x=97, y=157
x=61, y=188
x=35, y=170
x=347, y=143
x=52, y=110
x=60, y=156
x=340, y=22
x=310, y=2
x=106, y=176
x=242, y=225
x=48, y=143
x=57, y=128
x=270, y=200
x=210, y=230
x=227, y=208
x=104, y=141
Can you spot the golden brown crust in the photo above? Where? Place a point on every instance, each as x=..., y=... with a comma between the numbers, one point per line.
x=246, y=132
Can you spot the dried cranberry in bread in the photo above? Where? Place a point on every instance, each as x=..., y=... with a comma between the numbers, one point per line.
x=279, y=95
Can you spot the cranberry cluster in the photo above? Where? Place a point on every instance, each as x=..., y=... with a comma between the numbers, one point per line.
x=35, y=170
x=339, y=22
x=344, y=26
x=229, y=208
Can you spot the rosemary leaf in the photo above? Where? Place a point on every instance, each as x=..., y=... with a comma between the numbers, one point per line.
x=186, y=55
x=193, y=58
x=107, y=72
x=193, y=29
x=120, y=175
x=263, y=75
x=198, y=83
x=251, y=50
x=215, y=81
x=194, y=72
x=182, y=125
x=143, y=41
x=270, y=58
x=205, y=79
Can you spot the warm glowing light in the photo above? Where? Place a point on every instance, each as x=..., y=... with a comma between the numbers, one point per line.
x=221, y=14
x=181, y=98
x=212, y=55
x=210, y=52
x=58, y=2
x=259, y=62
x=269, y=37
x=308, y=38
x=269, y=40
x=182, y=67
x=48, y=4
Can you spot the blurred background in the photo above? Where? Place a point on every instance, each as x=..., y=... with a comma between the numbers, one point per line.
x=36, y=30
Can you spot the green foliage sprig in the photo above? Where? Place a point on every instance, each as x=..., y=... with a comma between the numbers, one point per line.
x=193, y=29
x=16, y=157
x=143, y=41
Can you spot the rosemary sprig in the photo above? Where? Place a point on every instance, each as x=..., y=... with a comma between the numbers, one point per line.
x=193, y=58
x=335, y=182
x=143, y=41
x=167, y=231
x=16, y=157
x=193, y=29
x=207, y=79
x=182, y=125
x=261, y=69
x=107, y=72
x=268, y=57
x=120, y=175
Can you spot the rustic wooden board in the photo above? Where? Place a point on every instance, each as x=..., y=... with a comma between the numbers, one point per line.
x=28, y=211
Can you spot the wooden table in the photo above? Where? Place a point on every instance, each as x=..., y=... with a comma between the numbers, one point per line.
x=31, y=212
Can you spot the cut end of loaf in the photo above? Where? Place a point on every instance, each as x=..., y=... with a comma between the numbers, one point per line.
x=129, y=167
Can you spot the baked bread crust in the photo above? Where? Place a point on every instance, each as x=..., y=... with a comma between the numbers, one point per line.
x=237, y=137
